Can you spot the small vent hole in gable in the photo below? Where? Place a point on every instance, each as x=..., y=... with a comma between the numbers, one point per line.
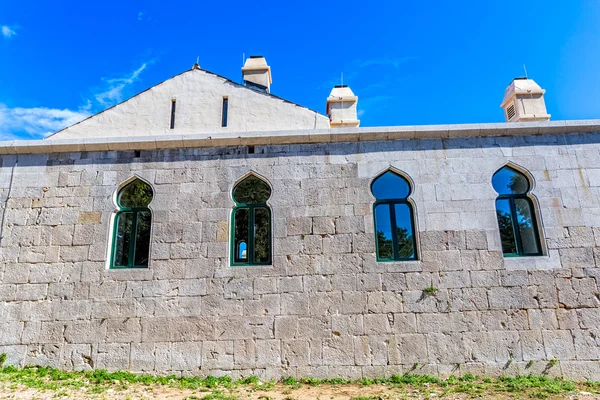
x=510, y=112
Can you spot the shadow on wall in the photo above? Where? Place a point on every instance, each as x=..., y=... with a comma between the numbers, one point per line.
x=293, y=150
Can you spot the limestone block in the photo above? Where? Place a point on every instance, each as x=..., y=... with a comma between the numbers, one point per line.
x=316, y=283
x=267, y=304
x=476, y=240
x=338, y=350
x=237, y=328
x=323, y=226
x=559, y=345
x=580, y=370
x=347, y=325
x=93, y=331
x=587, y=344
x=294, y=303
x=402, y=349
x=577, y=258
x=510, y=297
x=142, y=358
x=589, y=318
x=485, y=278
x=312, y=244
x=31, y=291
x=238, y=288
x=299, y=226
x=574, y=293
x=295, y=353
x=128, y=330
x=289, y=284
x=542, y=319
x=264, y=285
x=386, y=302
x=70, y=310
x=314, y=327
x=353, y=302
x=321, y=303
x=286, y=326
x=218, y=355
x=514, y=278
x=371, y=350
x=341, y=263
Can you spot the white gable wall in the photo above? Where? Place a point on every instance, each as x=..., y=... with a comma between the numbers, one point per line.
x=199, y=96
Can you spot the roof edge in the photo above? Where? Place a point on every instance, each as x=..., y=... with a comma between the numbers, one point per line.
x=300, y=136
x=194, y=68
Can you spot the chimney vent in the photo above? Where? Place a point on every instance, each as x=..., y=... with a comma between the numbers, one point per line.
x=341, y=107
x=524, y=101
x=257, y=74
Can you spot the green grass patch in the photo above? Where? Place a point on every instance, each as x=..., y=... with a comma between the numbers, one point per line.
x=224, y=388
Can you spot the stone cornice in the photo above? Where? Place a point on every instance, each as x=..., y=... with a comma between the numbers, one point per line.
x=299, y=137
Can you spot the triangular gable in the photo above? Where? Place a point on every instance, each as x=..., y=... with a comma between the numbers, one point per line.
x=198, y=95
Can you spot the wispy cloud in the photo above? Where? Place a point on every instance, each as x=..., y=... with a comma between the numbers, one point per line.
x=140, y=16
x=385, y=61
x=35, y=123
x=7, y=31
x=114, y=89
x=373, y=103
x=39, y=122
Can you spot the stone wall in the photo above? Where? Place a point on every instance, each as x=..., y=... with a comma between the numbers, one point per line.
x=325, y=307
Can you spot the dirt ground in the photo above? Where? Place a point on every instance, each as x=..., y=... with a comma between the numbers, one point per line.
x=273, y=392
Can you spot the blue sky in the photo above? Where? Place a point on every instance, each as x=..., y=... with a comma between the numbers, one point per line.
x=410, y=63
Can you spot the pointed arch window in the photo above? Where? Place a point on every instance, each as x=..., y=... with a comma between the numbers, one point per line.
x=132, y=222
x=515, y=211
x=394, y=218
x=251, y=223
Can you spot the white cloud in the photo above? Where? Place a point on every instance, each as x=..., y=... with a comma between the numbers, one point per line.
x=39, y=122
x=35, y=123
x=115, y=88
x=7, y=31
x=384, y=61
x=140, y=16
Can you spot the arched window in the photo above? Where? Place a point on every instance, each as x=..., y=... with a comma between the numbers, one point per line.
x=516, y=216
x=394, y=219
x=251, y=220
x=131, y=233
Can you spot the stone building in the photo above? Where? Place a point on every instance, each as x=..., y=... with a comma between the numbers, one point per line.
x=209, y=227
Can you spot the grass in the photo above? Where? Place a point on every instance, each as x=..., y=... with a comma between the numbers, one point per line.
x=430, y=290
x=98, y=382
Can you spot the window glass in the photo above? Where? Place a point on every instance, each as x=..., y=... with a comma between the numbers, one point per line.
x=390, y=186
x=385, y=247
x=135, y=194
x=505, y=222
x=510, y=181
x=241, y=234
x=142, y=238
x=262, y=239
x=527, y=229
x=515, y=213
x=131, y=236
x=251, y=190
x=404, y=231
x=123, y=238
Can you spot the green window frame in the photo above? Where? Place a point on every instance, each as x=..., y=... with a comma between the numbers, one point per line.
x=393, y=218
x=516, y=214
x=132, y=227
x=251, y=227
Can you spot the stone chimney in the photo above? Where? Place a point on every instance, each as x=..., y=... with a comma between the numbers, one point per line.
x=257, y=74
x=524, y=101
x=341, y=107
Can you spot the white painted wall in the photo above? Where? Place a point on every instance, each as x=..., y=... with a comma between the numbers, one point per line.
x=199, y=96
